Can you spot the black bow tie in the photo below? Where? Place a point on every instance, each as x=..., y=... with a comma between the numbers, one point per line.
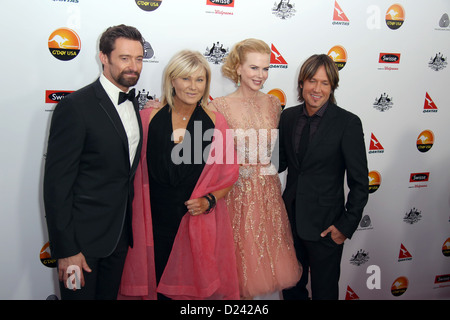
x=126, y=96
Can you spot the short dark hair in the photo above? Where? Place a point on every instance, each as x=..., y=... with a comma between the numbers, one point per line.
x=108, y=38
x=309, y=69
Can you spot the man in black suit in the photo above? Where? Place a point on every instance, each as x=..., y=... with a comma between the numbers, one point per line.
x=93, y=150
x=320, y=143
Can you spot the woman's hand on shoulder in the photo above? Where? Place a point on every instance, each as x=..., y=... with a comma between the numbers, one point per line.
x=211, y=106
x=156, y=104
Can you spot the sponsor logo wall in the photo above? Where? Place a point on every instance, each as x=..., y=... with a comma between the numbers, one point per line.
x=394, y=74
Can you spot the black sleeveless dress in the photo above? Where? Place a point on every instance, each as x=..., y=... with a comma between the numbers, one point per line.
x=173, y=174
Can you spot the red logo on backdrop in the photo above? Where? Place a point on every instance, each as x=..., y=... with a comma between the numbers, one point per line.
x=222, y=3
x=404, y=254
x=419, y=177
x=442, y=278
x=375, y=145
x=339, y=14
x=350, y=294
x=389, y=58
x=55, y=96
x=276, y=59
x=429, y=105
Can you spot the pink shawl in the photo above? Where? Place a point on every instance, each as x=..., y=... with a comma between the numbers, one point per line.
x=202, y=264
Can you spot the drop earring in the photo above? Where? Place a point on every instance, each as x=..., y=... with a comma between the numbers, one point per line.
x=239, y=80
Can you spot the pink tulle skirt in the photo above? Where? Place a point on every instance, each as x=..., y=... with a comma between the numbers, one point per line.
x=265, y=254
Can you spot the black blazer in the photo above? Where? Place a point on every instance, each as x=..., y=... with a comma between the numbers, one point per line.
x=88, y=180
x=314, y=193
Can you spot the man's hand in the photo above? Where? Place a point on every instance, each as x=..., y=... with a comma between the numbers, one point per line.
x=76, y=260
x=336, y=235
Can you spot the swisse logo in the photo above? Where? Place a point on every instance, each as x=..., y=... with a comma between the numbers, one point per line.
x=53, y=96
x=227, y=3
x=419, y=177
x=419, y=180
x=442, y=281
x=389, y=58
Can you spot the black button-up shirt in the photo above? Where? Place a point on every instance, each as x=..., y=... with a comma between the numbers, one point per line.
x=315, y=121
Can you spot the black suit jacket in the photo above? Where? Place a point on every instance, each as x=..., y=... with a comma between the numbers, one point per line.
x=314, y=193
x=88, y=180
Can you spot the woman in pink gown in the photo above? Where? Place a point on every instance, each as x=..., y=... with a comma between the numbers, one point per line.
x=265, y=254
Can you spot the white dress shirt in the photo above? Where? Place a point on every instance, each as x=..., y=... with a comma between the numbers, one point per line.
x=126, y=113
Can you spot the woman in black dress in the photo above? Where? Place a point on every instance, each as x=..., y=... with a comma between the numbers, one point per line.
x=177, y=150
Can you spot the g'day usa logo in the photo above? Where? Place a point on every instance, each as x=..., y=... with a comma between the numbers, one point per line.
x=148, y=5
x=64, y=44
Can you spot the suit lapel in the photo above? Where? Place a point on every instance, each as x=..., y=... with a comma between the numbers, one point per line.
x=294, y=120
x=139, y=148
x=111, y=112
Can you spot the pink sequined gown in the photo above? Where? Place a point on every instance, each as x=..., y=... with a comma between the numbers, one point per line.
x=265, y=254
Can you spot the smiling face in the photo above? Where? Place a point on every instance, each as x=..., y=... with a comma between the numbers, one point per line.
x=316, y=90
x=189, y=90
x=123, y=66
x=254, y=70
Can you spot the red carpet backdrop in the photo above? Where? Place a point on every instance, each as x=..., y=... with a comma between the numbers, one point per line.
x=394, y=74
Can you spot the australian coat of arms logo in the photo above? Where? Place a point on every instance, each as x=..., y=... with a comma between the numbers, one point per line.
x=216, y=53
x=284, y=9
x=412, y=216
x=383, y=103
x=359, y=258
x=438, y=62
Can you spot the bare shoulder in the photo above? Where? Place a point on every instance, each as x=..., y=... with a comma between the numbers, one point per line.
x=211, y=114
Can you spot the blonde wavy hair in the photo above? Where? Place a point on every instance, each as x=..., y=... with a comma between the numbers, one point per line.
x=183, y=64
x=238, y=55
